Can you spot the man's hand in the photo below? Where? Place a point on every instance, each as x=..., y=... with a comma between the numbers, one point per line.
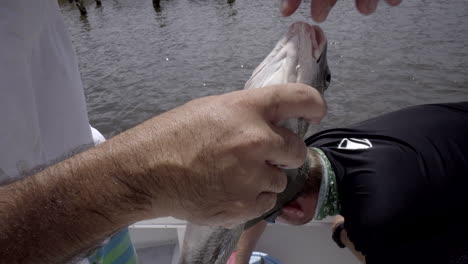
x=208, y=161
x=319, y=9
x=215, y=155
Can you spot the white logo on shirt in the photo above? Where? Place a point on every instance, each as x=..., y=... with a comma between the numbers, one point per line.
x=355, y=143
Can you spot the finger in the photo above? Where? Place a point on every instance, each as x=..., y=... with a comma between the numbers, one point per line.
x=366, y=7
x=281, y=102
x=287, y=150
x=393, y=2
x=273, y=179
x=319, y=9
x=262, y=177
x=288, y=7
x=265, y=202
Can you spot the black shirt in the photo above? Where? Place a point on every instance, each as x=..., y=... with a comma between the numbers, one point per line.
x=403, y=182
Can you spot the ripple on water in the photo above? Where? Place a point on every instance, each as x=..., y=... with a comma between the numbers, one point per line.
x=136, y=63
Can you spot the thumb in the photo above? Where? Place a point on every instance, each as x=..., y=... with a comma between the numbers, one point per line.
x=282, y=102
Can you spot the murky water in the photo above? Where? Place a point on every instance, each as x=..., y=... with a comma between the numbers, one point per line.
x=137, y=62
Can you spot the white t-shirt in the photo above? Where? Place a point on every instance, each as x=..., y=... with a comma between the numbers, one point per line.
x=42, y=106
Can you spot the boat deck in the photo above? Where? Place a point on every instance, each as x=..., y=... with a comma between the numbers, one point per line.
x=158, y=240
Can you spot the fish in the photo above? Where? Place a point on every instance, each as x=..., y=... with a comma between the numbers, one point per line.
x=300, y=56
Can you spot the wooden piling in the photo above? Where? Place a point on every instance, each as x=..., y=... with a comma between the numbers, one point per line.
x=81, y=7
x=156, y=5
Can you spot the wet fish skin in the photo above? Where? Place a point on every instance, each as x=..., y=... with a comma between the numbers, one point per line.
x=299, y=57
x=205, y=244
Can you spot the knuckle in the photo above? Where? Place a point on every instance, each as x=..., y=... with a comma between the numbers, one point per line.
x=279, y=140
x=248, y=140
x=257, y=139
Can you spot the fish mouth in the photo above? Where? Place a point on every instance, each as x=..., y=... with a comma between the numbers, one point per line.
x=312, y=63
x=299, y=57
x=312, y=33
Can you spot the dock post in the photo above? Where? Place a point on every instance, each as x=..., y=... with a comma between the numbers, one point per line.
x=81, y=7
x=156, y=4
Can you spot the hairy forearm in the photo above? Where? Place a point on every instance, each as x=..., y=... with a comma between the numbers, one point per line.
x=71, y=207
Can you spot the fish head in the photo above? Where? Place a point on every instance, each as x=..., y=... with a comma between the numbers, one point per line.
x=299, y=57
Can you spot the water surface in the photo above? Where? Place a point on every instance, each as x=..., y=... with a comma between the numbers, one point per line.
x=137, y=62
